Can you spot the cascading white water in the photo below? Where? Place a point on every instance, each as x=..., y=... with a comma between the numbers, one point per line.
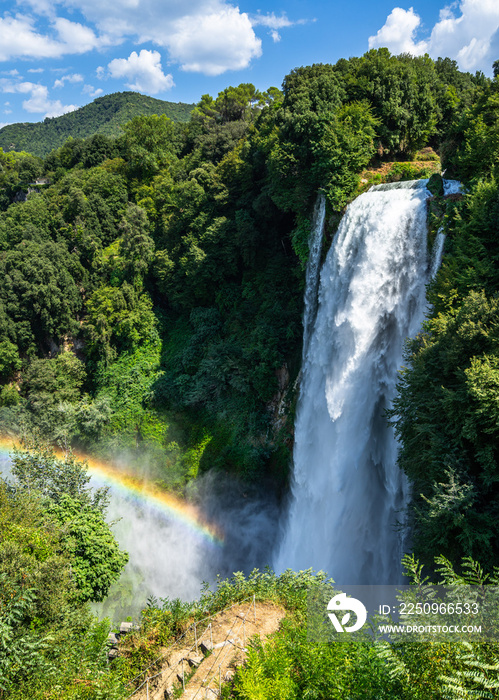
x=438, y=250
x=347, y=492
x=312, y=273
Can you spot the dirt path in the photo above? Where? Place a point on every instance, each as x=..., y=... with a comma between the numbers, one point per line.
x=220, y=648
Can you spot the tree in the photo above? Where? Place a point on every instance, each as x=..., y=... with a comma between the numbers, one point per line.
x=401, y=90
x=52, y=388
x=137, y=246
x=446, y=419
x=48, y=636
x=37, y=470
x=77, y=512
x=118, y=318
x=89, y=544
x=148, y=144
x=39, y=287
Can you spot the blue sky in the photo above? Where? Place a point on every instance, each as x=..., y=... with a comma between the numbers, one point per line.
x=59, y=55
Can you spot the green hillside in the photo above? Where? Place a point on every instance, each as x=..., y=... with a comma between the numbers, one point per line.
x=105, y=115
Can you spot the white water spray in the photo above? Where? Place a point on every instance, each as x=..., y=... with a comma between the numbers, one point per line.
x=348, y=493
x=313, y=266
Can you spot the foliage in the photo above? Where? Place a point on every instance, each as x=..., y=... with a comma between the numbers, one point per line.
x=472, y=144
x=17, y=172
x=89, y=544
x=48, y=639
x=37, y=469
x=85, y=539
x=39, y=293
x=52, y=391
x=119, y=318
x=450, y=386
x=445, y=413
x=403, y=92
x=289, y=666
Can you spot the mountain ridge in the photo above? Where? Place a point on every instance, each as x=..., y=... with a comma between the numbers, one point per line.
x=104, y=115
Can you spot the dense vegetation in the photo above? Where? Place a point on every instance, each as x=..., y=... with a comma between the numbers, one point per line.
x=152, y=292
x=150, y=302
x=105, y=115
x=446, y=411
x=56, y=553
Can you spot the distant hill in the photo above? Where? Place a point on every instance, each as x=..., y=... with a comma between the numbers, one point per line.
x=105, y=115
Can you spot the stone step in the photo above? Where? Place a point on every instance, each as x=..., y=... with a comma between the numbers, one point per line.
x=228, y=642
x=194, y=660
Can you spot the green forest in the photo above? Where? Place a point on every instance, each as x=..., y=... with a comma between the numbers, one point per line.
x=151, y=300
x=105, y=115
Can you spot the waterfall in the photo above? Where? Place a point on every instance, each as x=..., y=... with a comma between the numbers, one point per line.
x=313, y=265
x=438, y=250
x=348, y=494
x=450, y=187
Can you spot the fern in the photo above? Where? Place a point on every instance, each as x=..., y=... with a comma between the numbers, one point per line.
x=474, y=575
x=475, y=679
x=395, y=667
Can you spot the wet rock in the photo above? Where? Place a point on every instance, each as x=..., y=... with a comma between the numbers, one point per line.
x=436, y=185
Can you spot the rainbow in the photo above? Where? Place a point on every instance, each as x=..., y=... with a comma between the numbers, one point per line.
x=143, y=493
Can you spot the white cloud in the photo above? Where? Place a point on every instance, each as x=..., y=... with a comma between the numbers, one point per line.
x=143, y=72
x=470, y=37
x=214, y=43
x=398, y=33
x=91, y=91
x=467, y=32
x=207, y=36
x=40, y=7
x=77, y=36
x=273, y=23
x=36, y=70
x=18, y=37
x=71, y=78
x=38, y=101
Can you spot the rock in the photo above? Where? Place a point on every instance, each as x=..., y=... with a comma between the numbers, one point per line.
x=228, y=642
x=194, y=660
x=436, y=185
x=206, y=647
x=126, y=627
x=112, y=639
